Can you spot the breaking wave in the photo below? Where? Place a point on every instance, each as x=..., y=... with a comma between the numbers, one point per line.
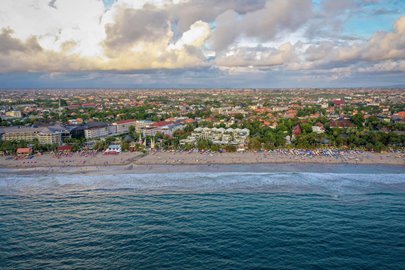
x=199, y=182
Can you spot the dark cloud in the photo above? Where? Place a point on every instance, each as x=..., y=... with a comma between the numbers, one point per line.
x=52, y=4
x=187, y=13
x=133, y=25
x=9, y=44
x=276, y=18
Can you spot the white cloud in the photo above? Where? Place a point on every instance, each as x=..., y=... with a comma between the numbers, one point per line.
x=233, y=35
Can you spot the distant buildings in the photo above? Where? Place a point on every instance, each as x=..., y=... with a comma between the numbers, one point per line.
x=341, y=123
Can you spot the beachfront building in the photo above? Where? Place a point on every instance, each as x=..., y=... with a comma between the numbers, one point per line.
x=123, y=126
x=165, y=128
x=113, y=149
x=142, y=124
x=53, y=135
x=45, y=135
x=219, y=136
x=22, y=152
x=19, y=133
x=96, y=130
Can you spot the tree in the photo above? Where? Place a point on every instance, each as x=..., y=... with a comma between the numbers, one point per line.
x=188, y=147
x=306, y=128
x=214, y=148
x=230, y=148
x=239, y=116
x=203, y=144
x=131, y=130
x=254, y=144
x=358, y=119
x=124, y=145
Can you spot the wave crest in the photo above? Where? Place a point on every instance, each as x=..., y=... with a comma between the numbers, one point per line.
x=314, y=183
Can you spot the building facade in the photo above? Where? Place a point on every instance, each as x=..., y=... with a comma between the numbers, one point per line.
x=123, y=126
x=219, y=136
x=44, y=135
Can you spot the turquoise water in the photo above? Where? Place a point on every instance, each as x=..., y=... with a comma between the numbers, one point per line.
x=212, y=220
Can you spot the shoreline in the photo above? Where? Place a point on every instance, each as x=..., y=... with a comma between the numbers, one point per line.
x=129, y=162
x=159, y=169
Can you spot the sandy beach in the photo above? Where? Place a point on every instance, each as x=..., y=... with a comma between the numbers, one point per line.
x=196, y=158
x=269, y=157
x=70, y=160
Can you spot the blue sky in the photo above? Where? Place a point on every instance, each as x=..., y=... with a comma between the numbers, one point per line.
x=196, y=43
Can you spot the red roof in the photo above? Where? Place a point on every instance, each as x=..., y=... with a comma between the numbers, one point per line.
x=161, y=124
x=73, y=106
x=65, y=148
x=339, y=102
x=26, y=150
x=189, y=121
x=89, y=105
x=341, y=123
x=126, y=121
x=297, y=130
x=401, y=114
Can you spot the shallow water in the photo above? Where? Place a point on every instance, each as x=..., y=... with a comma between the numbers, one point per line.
x=340, y=219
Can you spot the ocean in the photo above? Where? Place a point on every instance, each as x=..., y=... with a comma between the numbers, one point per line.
x=205, y=217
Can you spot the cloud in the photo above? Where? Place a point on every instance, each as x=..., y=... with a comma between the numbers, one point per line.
x=230, y=36
x=276, y=18
x=381, y=46
x=131, y=25
x=257, y=56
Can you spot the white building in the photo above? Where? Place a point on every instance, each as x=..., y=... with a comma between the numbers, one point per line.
x=14, y=114
x=44, y=135
x=113, y=149
x=141, y=124
x=218, y=136
x=318, y=128
x=99, y=130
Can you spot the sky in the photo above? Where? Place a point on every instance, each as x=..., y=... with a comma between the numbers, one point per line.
x=202, y=43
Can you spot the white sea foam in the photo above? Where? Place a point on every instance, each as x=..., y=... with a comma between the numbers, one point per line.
x=329, y=183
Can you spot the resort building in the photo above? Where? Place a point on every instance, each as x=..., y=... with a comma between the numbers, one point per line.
x=44, y=135
x=53, y=135
x=220, y=136
x=165, y=128
x=142, y=124
x=123, y=126
x=96, y=130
